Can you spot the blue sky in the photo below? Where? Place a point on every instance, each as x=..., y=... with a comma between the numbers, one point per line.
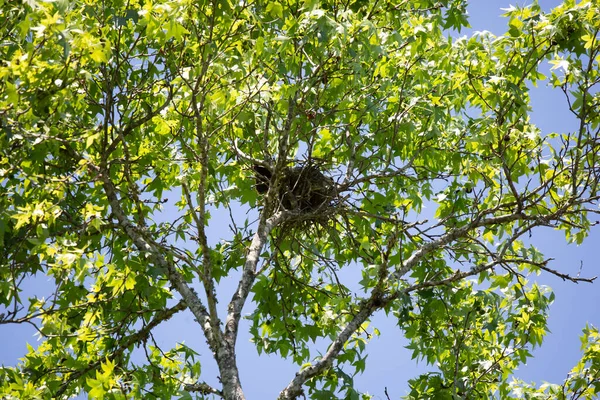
x=389, y=363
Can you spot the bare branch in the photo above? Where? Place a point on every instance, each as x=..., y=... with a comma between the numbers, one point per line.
x=203, y=388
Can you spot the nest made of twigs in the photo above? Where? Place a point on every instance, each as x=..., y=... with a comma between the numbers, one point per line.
x=305, y=191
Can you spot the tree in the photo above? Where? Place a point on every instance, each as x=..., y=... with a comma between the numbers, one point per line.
x=126, y=124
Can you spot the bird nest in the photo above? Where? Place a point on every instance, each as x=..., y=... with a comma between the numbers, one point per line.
x=309, y=195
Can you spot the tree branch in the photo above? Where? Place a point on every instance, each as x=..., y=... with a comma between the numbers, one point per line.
x=138, y=337
x=155, y=254
x=238, y=300
x=203, y=388
x=294, y=388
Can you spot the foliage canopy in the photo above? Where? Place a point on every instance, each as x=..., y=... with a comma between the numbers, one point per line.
x=132, y=133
